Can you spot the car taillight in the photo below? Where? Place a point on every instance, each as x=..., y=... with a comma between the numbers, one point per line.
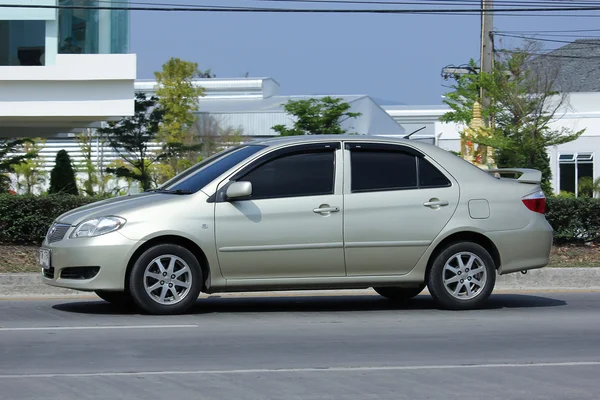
x=536, y=202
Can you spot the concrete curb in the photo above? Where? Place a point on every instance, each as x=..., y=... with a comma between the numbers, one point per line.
x=30, y=285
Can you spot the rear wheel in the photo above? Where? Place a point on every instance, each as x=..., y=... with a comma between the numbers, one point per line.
x=399, y=293
x=462, y=276
x=166, y=279
x=118, y=298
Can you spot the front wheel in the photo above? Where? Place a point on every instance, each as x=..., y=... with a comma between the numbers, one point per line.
x=462, y=276
x=166, y=279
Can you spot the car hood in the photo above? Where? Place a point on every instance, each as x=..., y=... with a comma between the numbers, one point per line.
x=117, y=206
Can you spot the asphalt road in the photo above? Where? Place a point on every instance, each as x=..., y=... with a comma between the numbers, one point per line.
x=542, y=345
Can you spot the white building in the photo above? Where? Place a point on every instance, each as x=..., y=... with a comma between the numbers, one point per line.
x=254, y=106
x=46, y=90
x=62, y=69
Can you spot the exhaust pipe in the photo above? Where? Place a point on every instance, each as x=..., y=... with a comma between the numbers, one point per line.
x=524, y=272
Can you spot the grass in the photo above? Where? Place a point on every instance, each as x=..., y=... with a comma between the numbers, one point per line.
x=24, y=258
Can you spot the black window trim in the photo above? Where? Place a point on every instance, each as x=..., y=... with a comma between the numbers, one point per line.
x=393, y=148
x=219, y=196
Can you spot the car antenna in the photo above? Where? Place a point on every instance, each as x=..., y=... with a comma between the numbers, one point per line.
x=412, y=133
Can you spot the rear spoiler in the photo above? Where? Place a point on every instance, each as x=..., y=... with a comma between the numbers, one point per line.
x=527, y=175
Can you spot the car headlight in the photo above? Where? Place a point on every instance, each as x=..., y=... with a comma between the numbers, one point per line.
x=97, y=227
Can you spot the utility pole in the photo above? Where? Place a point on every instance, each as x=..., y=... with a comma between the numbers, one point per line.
x=487, y=46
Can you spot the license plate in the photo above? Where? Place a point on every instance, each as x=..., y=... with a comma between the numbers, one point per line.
x=45, y=258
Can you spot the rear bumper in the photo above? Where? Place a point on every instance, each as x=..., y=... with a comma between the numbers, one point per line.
x=104, y=258
x=524, y=249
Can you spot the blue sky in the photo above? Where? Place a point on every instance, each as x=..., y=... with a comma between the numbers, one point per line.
x=394, y=58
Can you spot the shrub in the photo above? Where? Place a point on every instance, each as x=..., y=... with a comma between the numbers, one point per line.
x=574, y=220
x=62, y=176
x=25, y=219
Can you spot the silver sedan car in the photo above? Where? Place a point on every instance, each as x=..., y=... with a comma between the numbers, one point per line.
x=307, y=212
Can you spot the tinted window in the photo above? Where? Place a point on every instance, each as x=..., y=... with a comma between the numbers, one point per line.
x=380, y=170
x=430, y=176
x=208, y=170
x=300, y=174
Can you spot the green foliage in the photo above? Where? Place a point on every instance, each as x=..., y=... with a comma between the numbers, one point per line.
x=131, y=137
x=10, y=157
x=87, y=166
x=30, y=172
x=316, y=117
x=574, y=220
x=179, y=98
x=523, y=103
x=587, y=187
x=25, y=219
x=62, y=176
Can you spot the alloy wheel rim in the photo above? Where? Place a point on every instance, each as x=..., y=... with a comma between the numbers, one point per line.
x=464, y=275
x=167, y=279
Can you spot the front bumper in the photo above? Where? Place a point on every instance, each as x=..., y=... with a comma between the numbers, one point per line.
x=88, y=264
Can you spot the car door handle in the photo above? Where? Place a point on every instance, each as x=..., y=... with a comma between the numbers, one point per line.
x=321, y=210
x=436, y=203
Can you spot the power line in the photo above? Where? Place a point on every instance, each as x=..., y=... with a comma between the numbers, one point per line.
x=595, y=43
x=564, y=36
x=188, y=8
x=549, y=54
x=553, y=31
x=549, y=3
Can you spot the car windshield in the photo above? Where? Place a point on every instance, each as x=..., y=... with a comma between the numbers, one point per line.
x=201, y=174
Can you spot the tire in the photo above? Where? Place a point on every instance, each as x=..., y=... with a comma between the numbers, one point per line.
x=399, y=293
x=446, y=274
x=117, y=298
x=152, y=284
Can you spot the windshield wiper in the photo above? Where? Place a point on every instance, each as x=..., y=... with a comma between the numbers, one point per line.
x=177, y=191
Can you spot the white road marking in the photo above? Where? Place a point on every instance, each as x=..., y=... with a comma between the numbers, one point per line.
x=304, y=370
x=84, y=328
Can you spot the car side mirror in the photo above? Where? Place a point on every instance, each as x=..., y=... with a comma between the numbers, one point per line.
x=238, y=190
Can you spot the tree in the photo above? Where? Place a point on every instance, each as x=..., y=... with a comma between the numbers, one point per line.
x=87, y=166
x=523, y=102
x=62, y=176
x=316, y=117
x=216, y=135
x=12, y=153
x=132, y=138
x=30, y=172
x=588, y=187
x=179, y=98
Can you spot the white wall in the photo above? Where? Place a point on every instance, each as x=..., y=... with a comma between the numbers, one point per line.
x=79, y=90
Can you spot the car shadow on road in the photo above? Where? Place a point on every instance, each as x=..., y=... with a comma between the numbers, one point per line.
x=215, y=304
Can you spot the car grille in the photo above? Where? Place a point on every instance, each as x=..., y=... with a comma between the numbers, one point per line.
x=57, y=232
x=79, y=272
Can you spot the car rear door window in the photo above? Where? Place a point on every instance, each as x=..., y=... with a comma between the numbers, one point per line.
x=382, y=170
x=307, y=173
x=430, y=176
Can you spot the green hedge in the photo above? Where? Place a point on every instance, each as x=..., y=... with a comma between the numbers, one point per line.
x=575, y=220
x=26, y=219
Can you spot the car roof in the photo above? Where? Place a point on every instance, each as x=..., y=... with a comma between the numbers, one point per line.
x=453, y=164
x=280, y=140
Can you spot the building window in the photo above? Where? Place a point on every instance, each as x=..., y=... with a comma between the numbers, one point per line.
x=91, y=31
x=572, y=168
x=22, y=42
